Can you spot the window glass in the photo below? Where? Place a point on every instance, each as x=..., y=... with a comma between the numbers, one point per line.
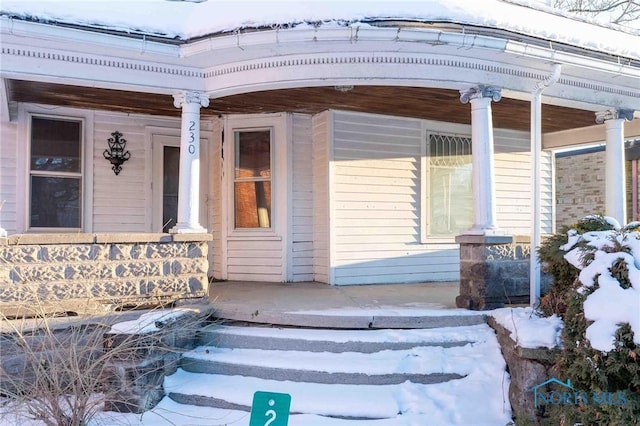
x=55, y=202
x=170, y=182
x=55, y=173
x=253, y=158
x=252, y=186
x=55, y=145
x=449, y=184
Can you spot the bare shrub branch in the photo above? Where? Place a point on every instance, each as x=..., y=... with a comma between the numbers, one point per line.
x=65, y=371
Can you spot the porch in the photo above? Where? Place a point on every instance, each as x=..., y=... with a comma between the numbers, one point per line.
x=314, y=304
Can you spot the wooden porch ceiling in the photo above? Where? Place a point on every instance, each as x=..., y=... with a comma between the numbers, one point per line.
x=424, y=103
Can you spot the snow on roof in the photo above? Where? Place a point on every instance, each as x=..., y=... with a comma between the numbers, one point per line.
x=187, y=19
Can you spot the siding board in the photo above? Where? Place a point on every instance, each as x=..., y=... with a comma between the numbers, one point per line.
x=8, y=177
x=302, y=221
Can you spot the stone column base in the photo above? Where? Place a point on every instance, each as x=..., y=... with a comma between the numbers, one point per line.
x=494, y=270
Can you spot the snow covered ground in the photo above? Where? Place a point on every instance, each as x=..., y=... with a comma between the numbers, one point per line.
x=528, y=329
x=479, y=398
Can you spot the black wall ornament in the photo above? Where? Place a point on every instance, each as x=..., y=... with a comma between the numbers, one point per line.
x=116, y=153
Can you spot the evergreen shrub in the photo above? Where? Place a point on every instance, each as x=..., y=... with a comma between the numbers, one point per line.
x=615, y=373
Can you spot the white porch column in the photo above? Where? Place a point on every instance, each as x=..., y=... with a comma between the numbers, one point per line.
x=615, y=185
x=189, y=178
x=483, y=182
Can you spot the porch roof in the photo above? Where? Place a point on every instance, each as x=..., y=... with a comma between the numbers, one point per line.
x=418, y=102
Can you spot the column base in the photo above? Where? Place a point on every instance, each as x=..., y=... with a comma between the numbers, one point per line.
x=185, y=228
x=494, y=271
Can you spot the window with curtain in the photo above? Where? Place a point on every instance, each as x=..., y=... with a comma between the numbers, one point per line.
x=252, y=178
x=55, y=173
x=448, y=184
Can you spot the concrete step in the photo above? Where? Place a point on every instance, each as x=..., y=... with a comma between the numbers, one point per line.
x=387, y=375
x=318, y=340
x=331, y=400
x=381, y=368
x=355, y=318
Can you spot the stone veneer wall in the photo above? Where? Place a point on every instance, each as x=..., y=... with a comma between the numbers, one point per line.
x=85, y=272
x=494, y=271
x=528, y=368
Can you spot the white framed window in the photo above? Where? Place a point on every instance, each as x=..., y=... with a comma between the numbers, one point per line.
x=55, y=173
x=447, y=198
x=252, y=178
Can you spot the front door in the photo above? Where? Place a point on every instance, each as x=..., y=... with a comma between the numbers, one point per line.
x=166, y=169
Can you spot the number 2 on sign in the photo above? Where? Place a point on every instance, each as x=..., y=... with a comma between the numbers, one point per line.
x=272, y=415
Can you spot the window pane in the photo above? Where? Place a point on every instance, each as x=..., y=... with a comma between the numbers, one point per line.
x=253, y=154
x=171, y=175
x=253, y=204
x=55, y=202
x=55, y=145
x=450, y=206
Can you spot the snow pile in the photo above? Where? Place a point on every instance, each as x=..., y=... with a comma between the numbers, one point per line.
x=610, y=305
x=528, y=329
x=149, y=322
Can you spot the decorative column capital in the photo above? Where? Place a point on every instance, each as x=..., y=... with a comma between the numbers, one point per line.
x=614, y=114
x=186, y=97
x=480, y=91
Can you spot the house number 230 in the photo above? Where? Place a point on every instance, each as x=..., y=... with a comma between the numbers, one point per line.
x=192, y=137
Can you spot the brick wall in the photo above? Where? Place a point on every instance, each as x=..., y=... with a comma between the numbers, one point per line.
x=580, y=187
x=84, y=272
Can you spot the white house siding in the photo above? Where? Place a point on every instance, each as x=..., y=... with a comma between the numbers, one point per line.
x=121, y=203
x=377, y=190
x=215, y=197
x=377, y=204
x=513, y=183
x=8, y=176
x=321, y=159
x=302, y=199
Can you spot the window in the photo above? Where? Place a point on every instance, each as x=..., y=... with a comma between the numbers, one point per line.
x=55, y=173
x=252, y=178
x=449, y=202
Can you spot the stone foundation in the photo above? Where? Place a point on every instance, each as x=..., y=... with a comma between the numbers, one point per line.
x=84, y=272
x=494, y=271
x=137, y=364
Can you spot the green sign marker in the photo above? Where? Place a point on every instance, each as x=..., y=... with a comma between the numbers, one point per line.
x=270, y=409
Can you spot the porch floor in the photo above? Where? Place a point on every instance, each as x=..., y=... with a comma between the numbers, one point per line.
x=306, y=303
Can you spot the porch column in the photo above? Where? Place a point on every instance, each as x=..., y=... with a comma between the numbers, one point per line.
x=189, y=178
x=483, y=182
x=483, y=282
x=615, y=185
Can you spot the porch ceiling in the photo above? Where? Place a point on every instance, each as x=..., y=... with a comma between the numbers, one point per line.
x=418, y=102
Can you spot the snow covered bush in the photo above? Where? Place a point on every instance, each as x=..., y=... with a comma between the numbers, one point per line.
x=601, y=311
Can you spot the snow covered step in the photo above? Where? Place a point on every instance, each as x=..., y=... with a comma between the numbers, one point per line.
x=418, y=365
x=426, y=404
x=236, y=393
x=361, y=318
x=385, y=387
x=319, y=340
